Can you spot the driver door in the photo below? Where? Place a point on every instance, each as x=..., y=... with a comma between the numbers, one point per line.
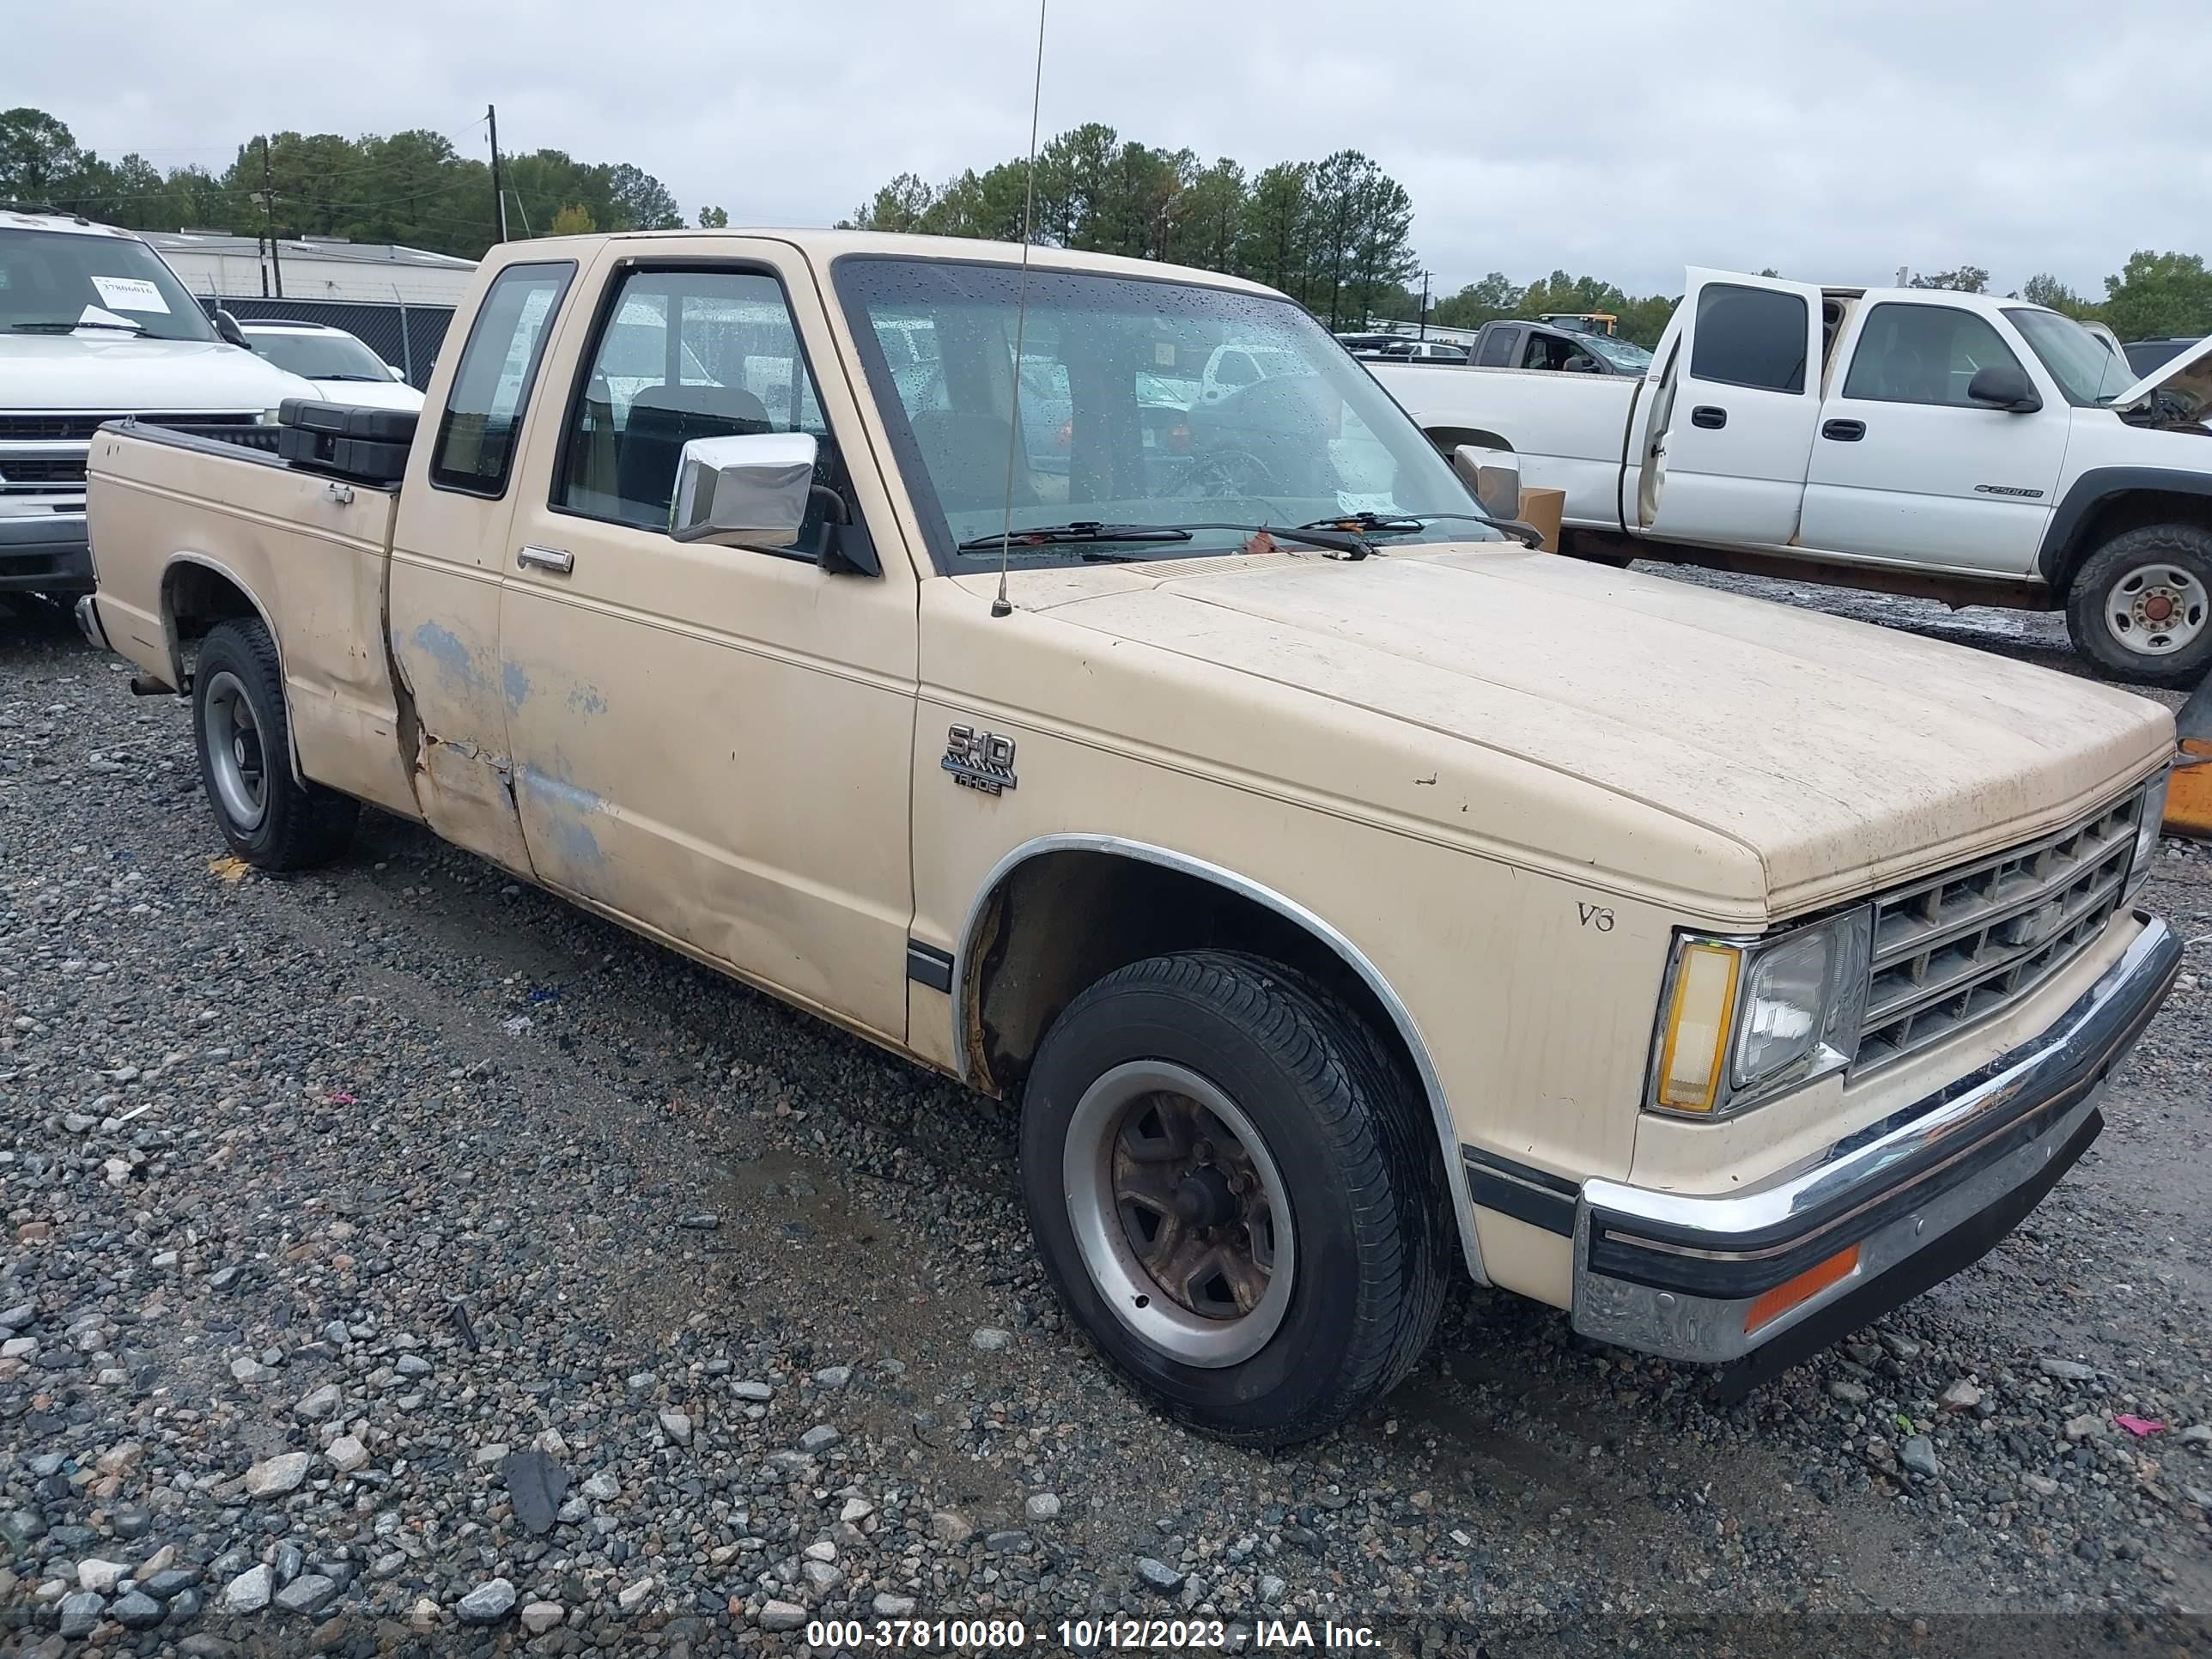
x=1736, y=408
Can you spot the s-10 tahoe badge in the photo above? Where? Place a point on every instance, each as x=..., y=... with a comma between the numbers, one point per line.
x=979, y=760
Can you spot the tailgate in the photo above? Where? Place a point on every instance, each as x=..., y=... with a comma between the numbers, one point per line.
x=179, y=523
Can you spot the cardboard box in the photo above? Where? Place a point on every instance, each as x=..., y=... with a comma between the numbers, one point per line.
x=1542, y=508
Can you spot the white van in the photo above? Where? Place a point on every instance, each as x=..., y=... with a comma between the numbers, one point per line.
x=94, y=327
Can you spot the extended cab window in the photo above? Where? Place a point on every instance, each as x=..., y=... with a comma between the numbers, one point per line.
x=492, y=386
x=1497, y=347
x=1915, y=353
x=683, y=355
x=1750, y=337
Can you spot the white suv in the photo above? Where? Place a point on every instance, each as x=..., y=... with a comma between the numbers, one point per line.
x=341, y=366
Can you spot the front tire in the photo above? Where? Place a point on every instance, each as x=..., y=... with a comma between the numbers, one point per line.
x=1234, y=1195
x=271, y=819
x=2140, y=607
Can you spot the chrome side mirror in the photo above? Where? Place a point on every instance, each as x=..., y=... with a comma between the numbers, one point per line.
x=1494, y=476
x=749, y=490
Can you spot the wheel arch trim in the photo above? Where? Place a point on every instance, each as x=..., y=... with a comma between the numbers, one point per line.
x=208, y=561
x=1322, y=933
x=2061, y=552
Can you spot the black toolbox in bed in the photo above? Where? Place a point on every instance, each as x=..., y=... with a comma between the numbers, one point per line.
x=368, y=445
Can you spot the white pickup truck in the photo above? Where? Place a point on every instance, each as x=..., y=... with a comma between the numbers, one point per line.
x=1961, y=446
x=94, y=327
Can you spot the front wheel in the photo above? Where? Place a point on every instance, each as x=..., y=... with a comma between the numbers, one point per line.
x=2140, y=606
x=271, y=819
x=1234, y=1195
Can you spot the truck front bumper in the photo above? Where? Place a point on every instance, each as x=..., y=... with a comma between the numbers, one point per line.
x=1757, y=1280
x=45, y=552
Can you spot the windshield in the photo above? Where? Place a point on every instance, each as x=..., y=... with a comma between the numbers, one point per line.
x=2084, y=367
x=1141, y=404
x=51, y=279
x=1628, y=358
x=316, y=356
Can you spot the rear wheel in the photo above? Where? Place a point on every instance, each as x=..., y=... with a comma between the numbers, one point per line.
x=271, y=820
x=1234, y=1195
x=2140, y=606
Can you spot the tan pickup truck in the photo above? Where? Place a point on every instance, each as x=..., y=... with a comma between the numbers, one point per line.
x=1343, y=891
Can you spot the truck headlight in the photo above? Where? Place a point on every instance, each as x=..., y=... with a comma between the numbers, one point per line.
x=2153, y=814
x=1744, y=1019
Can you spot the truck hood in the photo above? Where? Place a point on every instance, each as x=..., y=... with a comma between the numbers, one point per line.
x=2186, y=380
x=122, y=371
x=1844, y=758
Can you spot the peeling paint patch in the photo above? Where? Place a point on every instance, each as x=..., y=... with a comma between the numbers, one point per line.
x=586, y=700
x=456, y=663
x=566, y=810
x=516, y=684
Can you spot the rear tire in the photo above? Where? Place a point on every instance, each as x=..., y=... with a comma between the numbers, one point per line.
x=270, y=819
x=2140, y=607
x=1235, y=1194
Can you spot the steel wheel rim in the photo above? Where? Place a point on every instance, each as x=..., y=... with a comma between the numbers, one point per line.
x=1180, y=1213
x=234, y=750
x=2156, y=610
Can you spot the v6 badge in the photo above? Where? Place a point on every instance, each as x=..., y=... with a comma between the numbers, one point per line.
x=979, y=760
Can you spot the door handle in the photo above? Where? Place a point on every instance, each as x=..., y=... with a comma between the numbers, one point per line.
x=1711, y=416
x=558, y=560
x=1843, y=432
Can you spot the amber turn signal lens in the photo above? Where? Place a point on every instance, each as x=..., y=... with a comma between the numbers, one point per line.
x=1698, y=1027
x=1808, y=1285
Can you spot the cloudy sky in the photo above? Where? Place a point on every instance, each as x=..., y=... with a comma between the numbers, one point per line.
x=1833, y=141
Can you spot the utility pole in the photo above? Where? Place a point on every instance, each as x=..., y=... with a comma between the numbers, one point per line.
x=498, y=188
x=269, y=205
x=1424, y=305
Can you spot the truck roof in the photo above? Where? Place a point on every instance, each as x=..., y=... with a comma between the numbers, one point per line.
x=831, y=244
x=68, y=223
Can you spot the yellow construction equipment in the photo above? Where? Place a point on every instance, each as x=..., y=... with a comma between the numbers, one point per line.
x=2189, y=799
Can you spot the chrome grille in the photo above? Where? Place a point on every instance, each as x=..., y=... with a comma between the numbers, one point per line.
x=78, y=426
x=1956, y=948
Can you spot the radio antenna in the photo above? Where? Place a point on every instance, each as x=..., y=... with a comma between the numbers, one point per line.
x=1002, y=606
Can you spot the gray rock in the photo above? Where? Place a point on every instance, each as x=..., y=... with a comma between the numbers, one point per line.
x=1157, y=1575
x=759, y=1392
x=1008, y=1542
x=676, y=1425
x=602, y=1488
x=833, y=1377
x=887, y=1606
x=534, y=1483
x=411, y=1365
x=821, y=1577
x=782, y=1615
x=704, y=1221
x=991, y=1339
x=169, y=1583
x=1917, y=1454
x=1900, y=1348
x=19, y=1317
x=1271, y=1588
x=137, y=1611
x=204, y=1644
x=1849, y=1393
x=184, y=1606
x=226, y=1279
x=487, y=1604
x=631, y=1597
x=250, y=1591
x=310, y=1592
x=2066, y=1370
x=950, y=1527
x=1960, y=1396
x=288, y=1562
x=818, y=1439
x=272, y=1476
x=81, y=1612
x=538, y=1617
x=1041, y=1506
x=319, y=1403
x=2197, y=1434
x=347, y=1453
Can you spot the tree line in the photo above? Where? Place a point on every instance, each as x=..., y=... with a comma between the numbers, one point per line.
x=412, y=188
x=1335, y=234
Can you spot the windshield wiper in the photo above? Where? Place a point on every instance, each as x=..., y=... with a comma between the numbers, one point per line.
x=70, y=328
x=1344, y=544
x=1389, y=523
x=1083, y=530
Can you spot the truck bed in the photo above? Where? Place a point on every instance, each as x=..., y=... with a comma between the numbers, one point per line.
x=167, y=510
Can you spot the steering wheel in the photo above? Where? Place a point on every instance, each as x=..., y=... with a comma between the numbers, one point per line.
x=1231, y=472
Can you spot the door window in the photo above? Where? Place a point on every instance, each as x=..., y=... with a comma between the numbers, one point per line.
x=492, y=386
x=683, y=355
x=1750, y=337
x=1915, y=353
x=1497, y=347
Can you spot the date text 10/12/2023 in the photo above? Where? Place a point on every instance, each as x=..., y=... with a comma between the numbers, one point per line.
x=1093, y=1635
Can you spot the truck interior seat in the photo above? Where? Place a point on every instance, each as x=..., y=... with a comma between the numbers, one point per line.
x=662, y=420
x=966, y=455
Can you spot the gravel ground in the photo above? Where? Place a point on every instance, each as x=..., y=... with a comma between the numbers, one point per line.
x=397, y=1258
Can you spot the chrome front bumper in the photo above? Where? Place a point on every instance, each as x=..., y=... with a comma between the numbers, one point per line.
x=1922, y=1193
